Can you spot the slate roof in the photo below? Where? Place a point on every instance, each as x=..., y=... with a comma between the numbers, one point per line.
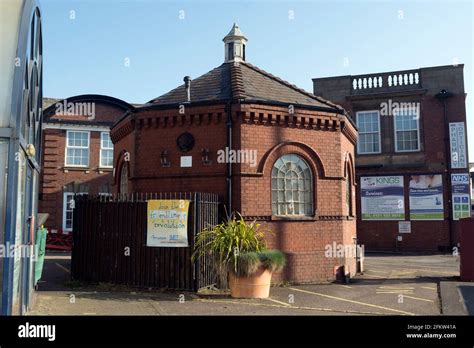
x=242, y=81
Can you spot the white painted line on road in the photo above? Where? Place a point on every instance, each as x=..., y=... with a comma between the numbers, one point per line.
x=292, y=307
x=352, y=301
x=280, y=302
x=395, y=292
x=372, y=270
x=376, y=276
x=418, y=298
x=62, y=267
x=428, y=288
x=345, y=286
x=395, y=287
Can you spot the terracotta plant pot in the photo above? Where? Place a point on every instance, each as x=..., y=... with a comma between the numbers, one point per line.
x=255, y=286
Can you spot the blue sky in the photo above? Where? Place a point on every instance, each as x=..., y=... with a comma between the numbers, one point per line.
x=88, y=53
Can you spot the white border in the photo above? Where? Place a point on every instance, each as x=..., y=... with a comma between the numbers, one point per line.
x=64, y=211
x=380, y=133
x=395, y=134
x=100, y=152
x=88, y=147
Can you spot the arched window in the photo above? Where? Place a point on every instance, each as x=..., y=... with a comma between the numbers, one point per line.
x=348, y=195
x=348, y=190
x=292, y=187
x=124, y=179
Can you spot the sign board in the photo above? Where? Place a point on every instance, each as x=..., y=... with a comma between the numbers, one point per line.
x=426, y=197
x=382, y=198
x=457, y=141
x=460, y=196
x=167, y=223
x=186, y=161
x=404, y=226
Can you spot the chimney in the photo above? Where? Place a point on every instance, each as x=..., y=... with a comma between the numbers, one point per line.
x=187, y=85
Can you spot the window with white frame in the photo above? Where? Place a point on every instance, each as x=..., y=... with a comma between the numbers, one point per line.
x=68, y=207
x=407, y=131
x=349, y=191
x=292, y=187
x=106, y=150
x=77, y=148
x=368, y=123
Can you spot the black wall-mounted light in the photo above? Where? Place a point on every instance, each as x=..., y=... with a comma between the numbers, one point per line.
x=206, y=156
x=164, y=159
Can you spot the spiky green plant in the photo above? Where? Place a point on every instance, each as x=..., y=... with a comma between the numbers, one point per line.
x=238, y=246
x=273, y=260
x=228, y=240
x=249, y=263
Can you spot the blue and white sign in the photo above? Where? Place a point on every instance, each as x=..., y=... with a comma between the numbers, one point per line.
x=460, y=196
x=426, y=197
x=382, y=198
x=457, y=141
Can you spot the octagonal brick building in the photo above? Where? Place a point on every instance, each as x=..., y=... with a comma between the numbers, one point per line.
x=270, y=150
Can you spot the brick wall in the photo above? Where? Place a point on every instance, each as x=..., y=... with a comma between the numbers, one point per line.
x=56, y=178
x=431, y=159
x=270, y=132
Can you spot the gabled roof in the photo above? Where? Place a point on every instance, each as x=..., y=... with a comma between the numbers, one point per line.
x=242, y=81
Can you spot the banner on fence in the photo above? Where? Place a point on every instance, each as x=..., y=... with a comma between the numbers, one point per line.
x=426, y=197
x=167, y=223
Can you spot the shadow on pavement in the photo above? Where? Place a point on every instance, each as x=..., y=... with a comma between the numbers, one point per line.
x=467, y=293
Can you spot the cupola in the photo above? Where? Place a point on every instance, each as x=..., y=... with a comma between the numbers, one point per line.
x=235, y=43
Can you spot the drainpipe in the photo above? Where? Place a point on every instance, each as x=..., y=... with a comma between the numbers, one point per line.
x=443, y=96
x=229, y=163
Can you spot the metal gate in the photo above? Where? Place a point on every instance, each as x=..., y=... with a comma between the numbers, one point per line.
x=109, y=243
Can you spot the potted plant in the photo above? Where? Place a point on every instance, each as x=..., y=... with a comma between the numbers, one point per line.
x=239, y=250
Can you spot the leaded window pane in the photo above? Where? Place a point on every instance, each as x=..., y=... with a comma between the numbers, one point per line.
x=292, y=189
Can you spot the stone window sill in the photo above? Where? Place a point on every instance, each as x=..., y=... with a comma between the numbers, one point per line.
x=293, y=218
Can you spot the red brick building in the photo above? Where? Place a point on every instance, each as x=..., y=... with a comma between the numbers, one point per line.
x=272, y=152
x=78, y=153
x=412, y=128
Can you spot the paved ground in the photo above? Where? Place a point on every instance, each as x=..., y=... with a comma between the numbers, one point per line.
x=457, y=298
x=390, y=285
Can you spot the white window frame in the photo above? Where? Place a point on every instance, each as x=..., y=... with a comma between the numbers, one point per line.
x=301, y=191
x=77, y=147
x=106, y=148
x=379, y=132
x=65, y=204
x=407, y=130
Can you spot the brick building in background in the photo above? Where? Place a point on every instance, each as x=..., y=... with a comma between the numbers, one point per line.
x=404, y=163
x=297, y=176
x=78, y=153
